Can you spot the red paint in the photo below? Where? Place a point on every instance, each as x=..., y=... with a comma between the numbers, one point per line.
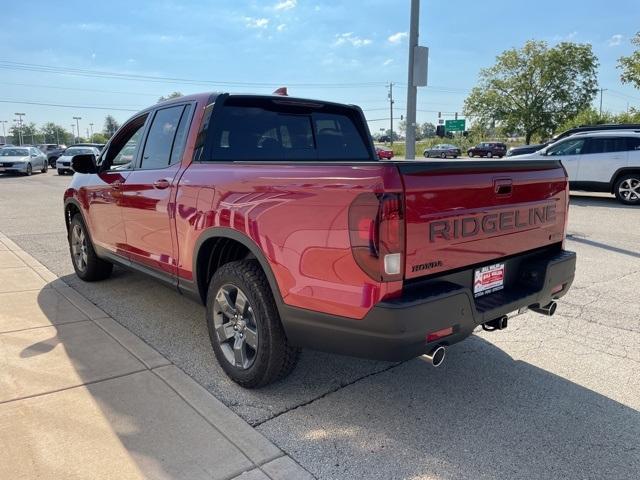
x=298, y=217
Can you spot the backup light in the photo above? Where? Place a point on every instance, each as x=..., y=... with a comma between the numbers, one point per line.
x=392, y=263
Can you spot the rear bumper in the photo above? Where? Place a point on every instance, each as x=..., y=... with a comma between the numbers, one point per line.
x=396, y=330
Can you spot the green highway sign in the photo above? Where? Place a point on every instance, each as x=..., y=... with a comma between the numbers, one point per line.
x=454, y=125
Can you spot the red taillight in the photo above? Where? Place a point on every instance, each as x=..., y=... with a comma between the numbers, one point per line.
x=445, y=332
x=376, y=232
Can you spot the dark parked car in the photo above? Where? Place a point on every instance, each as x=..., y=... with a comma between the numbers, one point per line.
x=52, y=151
x=488, y=149
x=443, y=150
x=525, y=149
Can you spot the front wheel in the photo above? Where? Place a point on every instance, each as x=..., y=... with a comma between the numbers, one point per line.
x=88, y=266
x=489, y=155
x=29, y=170
x=60, y=171
x=627, y=189
x=45, y=167
x=244, y=326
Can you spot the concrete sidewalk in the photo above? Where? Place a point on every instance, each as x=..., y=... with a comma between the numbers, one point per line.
x=83, y=397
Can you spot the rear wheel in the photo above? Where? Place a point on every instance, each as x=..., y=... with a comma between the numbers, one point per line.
x=627, y=189
x=45, y=167
x=244, y=326
x=85, y=261
x=489, y=155
x=443, y=155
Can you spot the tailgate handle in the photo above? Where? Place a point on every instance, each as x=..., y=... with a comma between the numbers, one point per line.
x=503, y=187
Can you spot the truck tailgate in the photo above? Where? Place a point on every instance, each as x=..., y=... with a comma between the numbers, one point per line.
x=469, y=212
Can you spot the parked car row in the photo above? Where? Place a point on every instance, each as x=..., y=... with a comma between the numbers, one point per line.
x=26, y=159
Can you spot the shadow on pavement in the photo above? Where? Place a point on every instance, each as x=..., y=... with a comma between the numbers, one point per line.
x=583, y=199
x=481, y=415
x=604, y=246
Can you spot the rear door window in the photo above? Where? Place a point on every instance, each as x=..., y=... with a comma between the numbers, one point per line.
x=606, y=145
x=158, y=149
x=272, y=132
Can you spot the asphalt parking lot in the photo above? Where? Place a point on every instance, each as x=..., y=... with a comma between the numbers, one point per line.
x=551, y=397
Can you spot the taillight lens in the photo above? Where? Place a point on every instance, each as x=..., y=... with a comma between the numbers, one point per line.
x=376, y=231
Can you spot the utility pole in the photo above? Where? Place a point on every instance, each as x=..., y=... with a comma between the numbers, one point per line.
x=73, y=133
x=91, y=138
x=20, y=115
x=602, y=90
x=412, y=90
x=390, y=95
x=4, y=131
x=77, y=119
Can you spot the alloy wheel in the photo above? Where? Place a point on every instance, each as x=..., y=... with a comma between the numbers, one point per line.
x=79, y=248
x=630, y=189
x=235, y=326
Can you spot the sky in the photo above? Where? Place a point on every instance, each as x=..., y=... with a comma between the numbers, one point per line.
x=118, y=57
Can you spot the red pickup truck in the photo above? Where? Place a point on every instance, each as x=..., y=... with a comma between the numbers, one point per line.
x=276, y=213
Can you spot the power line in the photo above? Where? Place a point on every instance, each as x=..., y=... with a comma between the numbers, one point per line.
x=81, y=89
x=32, y=67
x=91, y=107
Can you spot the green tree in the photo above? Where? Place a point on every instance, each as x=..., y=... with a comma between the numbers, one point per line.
x=98, y=138
x=28, y=132
x=426, y=130
x=110, y=126
x=53, y=133
x=170, y=96
x=536, y=88
x=630, y=65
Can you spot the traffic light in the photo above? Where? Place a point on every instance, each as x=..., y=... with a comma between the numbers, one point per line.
x=440, y=131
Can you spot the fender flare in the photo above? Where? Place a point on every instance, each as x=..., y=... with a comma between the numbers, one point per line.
x=619, y=172
x=250, y=244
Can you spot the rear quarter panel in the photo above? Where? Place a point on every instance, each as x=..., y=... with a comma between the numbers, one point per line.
x=298, y=217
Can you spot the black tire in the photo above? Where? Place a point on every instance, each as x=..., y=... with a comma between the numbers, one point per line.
x=45, y=168
x=91, y=268
x=426, y=155
x=60, y=171
x=489, y=155
x=29, y=170
x=627, y=189
x=443, y=155
x=470, y=154
x=273, y=358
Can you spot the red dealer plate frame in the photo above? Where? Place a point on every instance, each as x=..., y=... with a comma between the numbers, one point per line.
x=488, y=279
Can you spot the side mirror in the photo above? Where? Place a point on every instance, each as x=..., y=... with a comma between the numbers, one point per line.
x=85, y=163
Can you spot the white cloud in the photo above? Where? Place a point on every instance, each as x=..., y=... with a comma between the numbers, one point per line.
x=281, y=27
x=352, y=39
x=388, y=61
x=286, y=5
x=615, y=40
x=565, y=38
x=397, y=37
x=256, y=22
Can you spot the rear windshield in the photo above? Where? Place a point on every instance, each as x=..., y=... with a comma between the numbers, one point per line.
x=249, y=129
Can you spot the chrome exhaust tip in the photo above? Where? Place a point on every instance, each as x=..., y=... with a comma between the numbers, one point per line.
x=548, y=310
x=436, y=356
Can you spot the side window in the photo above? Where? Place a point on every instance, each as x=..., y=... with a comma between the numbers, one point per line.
x=568, y=147
x=122, y=149
x=633, y=143
x=162, y=133
x=606, y=145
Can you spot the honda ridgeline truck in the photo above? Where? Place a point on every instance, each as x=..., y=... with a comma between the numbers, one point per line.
x=276, y=213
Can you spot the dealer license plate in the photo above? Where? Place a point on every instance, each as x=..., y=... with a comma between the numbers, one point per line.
x=488, y=279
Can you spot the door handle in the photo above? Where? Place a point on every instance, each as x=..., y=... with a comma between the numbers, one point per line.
x=161, y=184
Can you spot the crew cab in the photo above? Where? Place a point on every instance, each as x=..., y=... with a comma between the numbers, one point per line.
x=277, y=215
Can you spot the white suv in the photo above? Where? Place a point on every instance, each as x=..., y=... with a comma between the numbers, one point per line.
x=606, y=161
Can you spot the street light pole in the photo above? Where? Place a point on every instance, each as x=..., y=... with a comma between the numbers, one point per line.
x=77, y=119
x=4, y=131
x=73, y=133
x=412, y=89
x=20, y=115
x=91, y=125
x=602, y=90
